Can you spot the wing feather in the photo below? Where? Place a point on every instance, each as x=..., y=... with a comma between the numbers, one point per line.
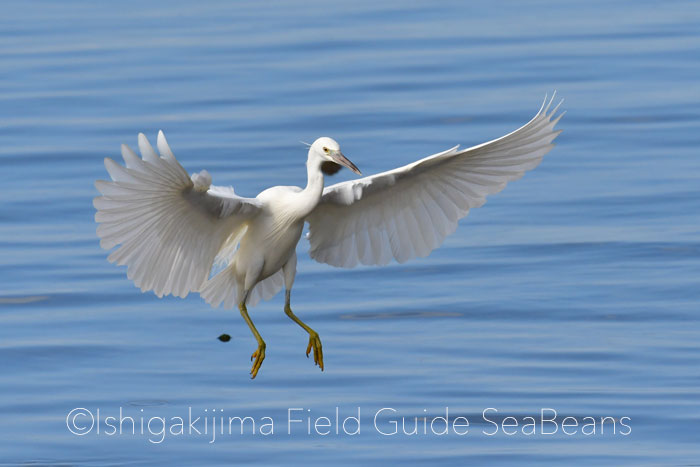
x=408, y=212
x=169, y=226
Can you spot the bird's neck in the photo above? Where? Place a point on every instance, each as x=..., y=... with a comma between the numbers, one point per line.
x=311, y=195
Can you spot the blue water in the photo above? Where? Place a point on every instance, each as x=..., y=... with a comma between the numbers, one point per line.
x=575, y=289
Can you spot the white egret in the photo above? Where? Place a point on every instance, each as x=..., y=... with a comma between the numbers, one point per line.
x=171, y=227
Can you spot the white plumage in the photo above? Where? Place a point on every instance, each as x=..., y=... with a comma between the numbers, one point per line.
x=170, y=227
x=407, y=212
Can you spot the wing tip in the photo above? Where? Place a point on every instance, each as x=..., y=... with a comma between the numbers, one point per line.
x=164, y=148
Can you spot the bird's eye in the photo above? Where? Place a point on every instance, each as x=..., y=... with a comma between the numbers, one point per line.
x=325, y=149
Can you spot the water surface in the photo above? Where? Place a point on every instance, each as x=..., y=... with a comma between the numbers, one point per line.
x=575, y=289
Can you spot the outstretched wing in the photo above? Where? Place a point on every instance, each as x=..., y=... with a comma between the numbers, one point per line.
x=408, y=212
x=170, y=226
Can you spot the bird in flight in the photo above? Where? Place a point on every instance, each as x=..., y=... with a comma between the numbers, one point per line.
x=171, y=228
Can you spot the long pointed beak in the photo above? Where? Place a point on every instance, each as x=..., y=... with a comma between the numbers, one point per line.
x=344, y=161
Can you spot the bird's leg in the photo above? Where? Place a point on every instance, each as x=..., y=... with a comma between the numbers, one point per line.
x=289, y=270
x=258, y=355
x=314, y=339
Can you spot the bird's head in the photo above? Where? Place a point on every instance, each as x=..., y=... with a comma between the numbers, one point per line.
x=327, y=150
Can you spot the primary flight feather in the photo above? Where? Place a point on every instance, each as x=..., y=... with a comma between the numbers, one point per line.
x=171, y=227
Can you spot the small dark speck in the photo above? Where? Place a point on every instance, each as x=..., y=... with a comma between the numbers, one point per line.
x=224, y=338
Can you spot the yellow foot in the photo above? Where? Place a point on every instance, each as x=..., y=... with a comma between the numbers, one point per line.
x=259, y=356
x=315, y=343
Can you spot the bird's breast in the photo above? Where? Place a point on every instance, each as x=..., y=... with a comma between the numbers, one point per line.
x=272, y=238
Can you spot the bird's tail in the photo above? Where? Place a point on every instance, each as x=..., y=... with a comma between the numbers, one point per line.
x=223, y=288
